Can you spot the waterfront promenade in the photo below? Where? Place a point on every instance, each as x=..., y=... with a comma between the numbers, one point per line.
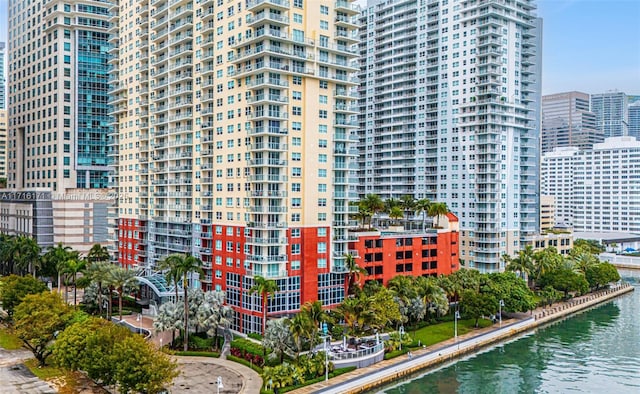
x=387, y=371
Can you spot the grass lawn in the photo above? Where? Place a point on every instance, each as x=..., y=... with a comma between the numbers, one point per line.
x=430, y=335
x=47, y=372
x=8, y=340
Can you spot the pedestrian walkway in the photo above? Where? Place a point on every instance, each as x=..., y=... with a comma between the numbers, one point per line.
x=394, y=369
x=15, y=377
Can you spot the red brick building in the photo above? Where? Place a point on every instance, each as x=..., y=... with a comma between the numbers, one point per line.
x=388, y=253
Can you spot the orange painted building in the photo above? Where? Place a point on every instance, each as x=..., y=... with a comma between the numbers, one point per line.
x=386, y=254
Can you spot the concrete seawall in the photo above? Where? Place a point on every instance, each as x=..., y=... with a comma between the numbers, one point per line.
x=389, y=371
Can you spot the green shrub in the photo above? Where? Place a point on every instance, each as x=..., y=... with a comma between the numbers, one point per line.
x=333, y=374
x=396, y=353
x=198, y=343
x=255, y=335
x=248, y=346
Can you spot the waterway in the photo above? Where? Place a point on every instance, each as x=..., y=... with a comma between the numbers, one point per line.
x=596, y=351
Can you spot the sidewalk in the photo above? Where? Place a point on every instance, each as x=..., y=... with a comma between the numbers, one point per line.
x=391, y=370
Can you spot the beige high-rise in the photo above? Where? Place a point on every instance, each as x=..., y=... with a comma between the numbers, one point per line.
x=234, y=126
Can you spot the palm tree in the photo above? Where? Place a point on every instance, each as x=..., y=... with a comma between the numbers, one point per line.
x=354, y=272
x=546, y=260
x=98, y=253
x=582, y=260
x=408, y=205
x=315, y=315
x=422, y=206
x=373, y=204
x=73, y=266
x=100, y=272
x=396, y=213
x=27, y=254
x=403, y=287
x=122, y=280
x=265, y=288
x=363, y=213
x=57, y=256
x=186, y=265
x=301, y=327
x=436, y=210
x=173, y=275
x=523, y=264
x=7, y=256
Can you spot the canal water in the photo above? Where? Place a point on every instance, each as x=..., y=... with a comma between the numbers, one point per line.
x=597, y=351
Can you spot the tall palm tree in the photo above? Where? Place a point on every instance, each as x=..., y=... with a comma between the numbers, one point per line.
x=396, y=213
x=122, y=280
x=523, y=264
x=6, y=253
x=187, y=265
x=315, y=315
x=373, y=204
x=265, y=288
x=422, y=206
x=73, y=266
x=101, y=272
x=57, y=256
x=408, y=205
x=97, y=253
x=436, y=210
x=301, y=327
x=354, y=272
x=171, y=264
x=27, y=254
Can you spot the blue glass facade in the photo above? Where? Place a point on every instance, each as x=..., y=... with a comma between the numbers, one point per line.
x=93, y=120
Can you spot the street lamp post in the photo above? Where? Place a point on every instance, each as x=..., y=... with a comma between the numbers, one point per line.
x=501, y=304
x=456, y=316
x=324, y=337
x=401, y=332
x=219, y=384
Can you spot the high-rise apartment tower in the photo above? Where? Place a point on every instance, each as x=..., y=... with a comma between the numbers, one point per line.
x=58, y=111
x=448, y=105
x=611, y=111
x=233, y=133
x=3, y=96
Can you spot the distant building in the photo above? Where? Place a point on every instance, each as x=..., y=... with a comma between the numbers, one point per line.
x=3, y=146
x=561, y=240
x=567, y=121
x=595, y=190
x=634, y=120
x=386, y=254
x=547, y=209
x=77, y=218
x=556, y=181
x=611, y=110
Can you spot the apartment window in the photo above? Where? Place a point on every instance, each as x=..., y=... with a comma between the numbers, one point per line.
x=296, y=202
x=297, y=18
x=298, y=3
x=322, y=263
x=322, y=247
x=295, y=233
x=297, y=110
x=322, y=202
x=324, y=25
x=295, y=187
x=296, y=156
x=295, y=248
x=296, y=171
x=297, y=80
x=324, y=10
x=322, y=114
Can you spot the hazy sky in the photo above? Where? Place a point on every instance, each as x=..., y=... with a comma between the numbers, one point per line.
x=589, y=45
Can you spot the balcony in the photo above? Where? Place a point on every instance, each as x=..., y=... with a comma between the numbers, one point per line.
x=258, y=5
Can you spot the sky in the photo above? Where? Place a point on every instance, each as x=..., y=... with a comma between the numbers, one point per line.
x=589, y=45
